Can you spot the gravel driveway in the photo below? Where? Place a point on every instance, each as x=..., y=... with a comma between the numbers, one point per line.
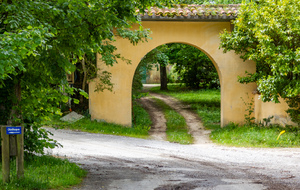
x=115, y=162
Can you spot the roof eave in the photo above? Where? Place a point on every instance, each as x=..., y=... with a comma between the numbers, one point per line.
x=209, y=18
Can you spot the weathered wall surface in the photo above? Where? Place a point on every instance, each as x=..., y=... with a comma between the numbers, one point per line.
x=154, y=74
x=115, y=106
x=153, y=77
x=265, y=110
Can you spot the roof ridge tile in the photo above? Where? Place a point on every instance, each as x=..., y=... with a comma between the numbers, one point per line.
x=191, y=12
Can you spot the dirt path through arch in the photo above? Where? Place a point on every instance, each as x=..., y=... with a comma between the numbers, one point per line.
x=157, y=131
x=158, y=128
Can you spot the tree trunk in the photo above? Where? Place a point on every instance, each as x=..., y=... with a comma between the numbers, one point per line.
x=163, y=77
x=84, y=78
x=15, y=114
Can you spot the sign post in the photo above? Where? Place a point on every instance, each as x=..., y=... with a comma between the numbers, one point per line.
x=12, y=145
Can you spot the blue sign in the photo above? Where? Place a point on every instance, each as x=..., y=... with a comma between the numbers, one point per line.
x=13, y=130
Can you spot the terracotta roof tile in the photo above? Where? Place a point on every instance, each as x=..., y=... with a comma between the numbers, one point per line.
x=192, y=12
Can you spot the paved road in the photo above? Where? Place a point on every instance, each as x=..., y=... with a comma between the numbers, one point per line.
x=126, y=163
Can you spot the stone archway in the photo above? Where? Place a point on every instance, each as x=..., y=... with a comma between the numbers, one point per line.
x=115, y=106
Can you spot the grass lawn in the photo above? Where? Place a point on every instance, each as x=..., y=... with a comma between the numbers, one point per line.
x=207, y=104
x=257, y=136
x=44, y=172
x=177, y=129
x=139, y=129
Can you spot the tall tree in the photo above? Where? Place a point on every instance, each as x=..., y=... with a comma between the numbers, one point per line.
x=159, y=59
x=163, y=61
x=195, y=69
x=268, y=32
x=193, y=66
x=42, y=40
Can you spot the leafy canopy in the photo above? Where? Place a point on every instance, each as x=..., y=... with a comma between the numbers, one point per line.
x=194, y=68
x=69, y=28
x=268, y=32
x=42, y=40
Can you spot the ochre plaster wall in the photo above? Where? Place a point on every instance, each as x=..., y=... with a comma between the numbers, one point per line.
x=265, y=110
x=153, y=76
x=115, y=106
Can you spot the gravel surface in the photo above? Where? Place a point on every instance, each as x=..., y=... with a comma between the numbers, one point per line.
x=115, y=162
x=123, y=163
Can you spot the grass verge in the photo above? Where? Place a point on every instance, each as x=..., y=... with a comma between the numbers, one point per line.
x=44, y=172
x=177, y=130
x=257, y=136
x=207, y=104
x=139, y=129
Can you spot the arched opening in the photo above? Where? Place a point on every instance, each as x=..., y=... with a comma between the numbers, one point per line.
x=115, y=106
x=187, y=68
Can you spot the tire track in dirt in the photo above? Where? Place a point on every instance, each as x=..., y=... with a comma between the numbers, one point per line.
x=158, y=128
x=196, y=128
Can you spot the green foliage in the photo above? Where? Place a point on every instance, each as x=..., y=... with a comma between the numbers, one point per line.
x=139, y=76
x=45, y=172
x=268, y=32
x=294, y=110
x=41, y=41
x=173, y=76
x=5, y=102
x=36, y=139
x=193, y=66
x=141, y=119
x=158, y=58
x=249, y=119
